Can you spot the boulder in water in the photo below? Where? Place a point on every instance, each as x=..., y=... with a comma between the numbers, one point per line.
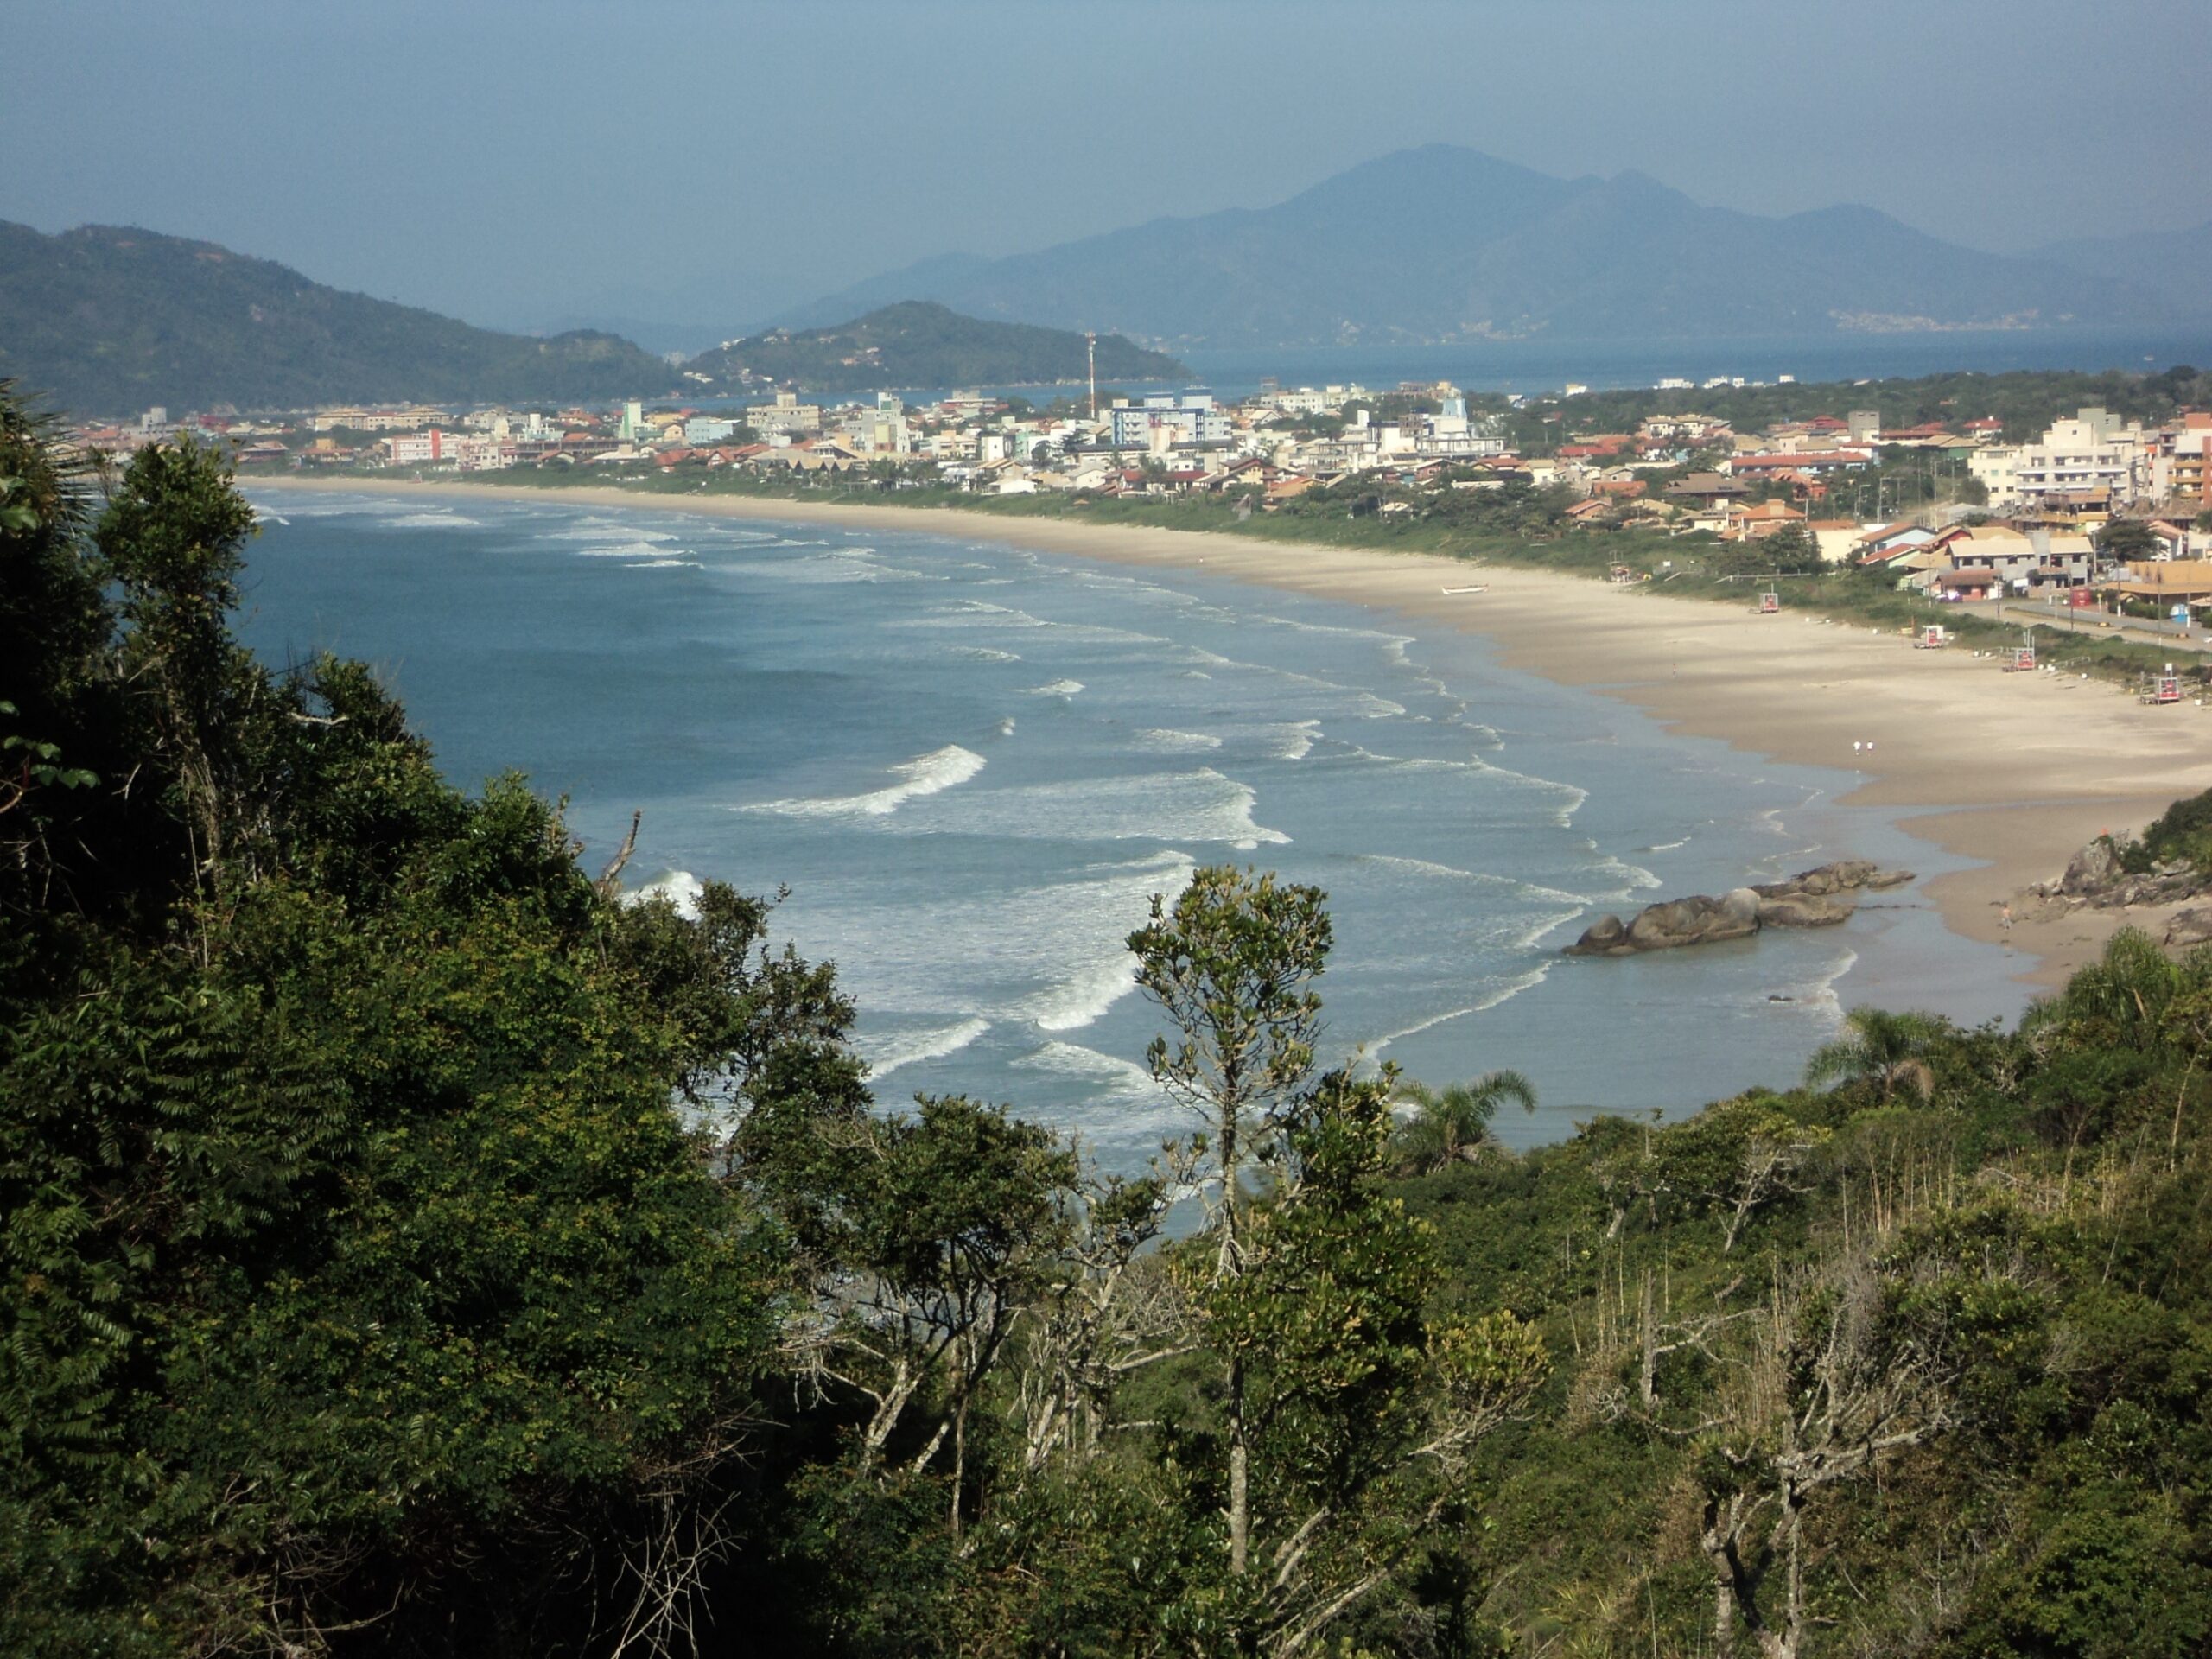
x=1805, y=910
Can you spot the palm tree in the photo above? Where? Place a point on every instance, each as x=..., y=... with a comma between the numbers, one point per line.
x=1883, y=1048
x=1451, y=1125
x=2117, y=1000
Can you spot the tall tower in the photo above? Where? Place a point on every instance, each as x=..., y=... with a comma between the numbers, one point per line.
x=1091, y=338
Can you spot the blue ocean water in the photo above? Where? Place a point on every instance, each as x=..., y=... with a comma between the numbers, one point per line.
x=974, y=765
x=1540, y=364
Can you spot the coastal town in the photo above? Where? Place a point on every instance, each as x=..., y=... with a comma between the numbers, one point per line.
x=2093, y=509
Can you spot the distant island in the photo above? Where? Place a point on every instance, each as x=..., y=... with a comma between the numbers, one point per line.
x=919, y=343
x=106, y=321
x=1446, y=246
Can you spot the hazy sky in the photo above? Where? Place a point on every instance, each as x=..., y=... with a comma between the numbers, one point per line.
x=513, y=161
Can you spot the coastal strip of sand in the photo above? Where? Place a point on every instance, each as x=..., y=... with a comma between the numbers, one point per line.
x=2016, y=770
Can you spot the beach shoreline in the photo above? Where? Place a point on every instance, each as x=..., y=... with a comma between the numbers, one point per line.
x=2018, y=771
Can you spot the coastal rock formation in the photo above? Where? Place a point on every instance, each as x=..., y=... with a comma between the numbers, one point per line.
x=2095, y=876
x=2091, y=869
x=1805, y=910
x=2186, y=929
x=1816, y=898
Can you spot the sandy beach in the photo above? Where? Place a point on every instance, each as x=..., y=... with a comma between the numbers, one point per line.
x=2018, y=770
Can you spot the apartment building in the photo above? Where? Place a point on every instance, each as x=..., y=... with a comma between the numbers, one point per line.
x=2092, y=454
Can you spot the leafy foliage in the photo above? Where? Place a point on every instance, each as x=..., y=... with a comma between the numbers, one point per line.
x=409, y=1247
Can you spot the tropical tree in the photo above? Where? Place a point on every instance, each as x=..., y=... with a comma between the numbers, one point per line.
x=2128, y=538
x=1231, y=964
x=1886, y=1051
x=1452, y=1124
x=1345, y=1413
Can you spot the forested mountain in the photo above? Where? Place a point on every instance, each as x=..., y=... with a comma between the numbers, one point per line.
x=1443, y=242
x=416, y=1247
x=106, y=321
x=916, y=343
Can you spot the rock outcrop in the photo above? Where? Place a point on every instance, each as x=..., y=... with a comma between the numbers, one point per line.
x=2187, y=928
x=1817, y=898
x=2095, y=876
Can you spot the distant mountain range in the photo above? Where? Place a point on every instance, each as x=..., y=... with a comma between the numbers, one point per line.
x=919, y=343
x=1443, y=244
x=2175, y=265
x=107, y=321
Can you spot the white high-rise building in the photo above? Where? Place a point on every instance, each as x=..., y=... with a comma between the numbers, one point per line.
x=2094, y=453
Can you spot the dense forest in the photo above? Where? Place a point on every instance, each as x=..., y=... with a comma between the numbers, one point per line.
x=110, y=320
x=918, y=344
x=415, y=1245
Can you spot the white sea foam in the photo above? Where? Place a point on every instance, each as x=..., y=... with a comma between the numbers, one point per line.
x=927, y=774
x=985, y=654
x=605, y=530
x=636, y=548
x=885, y=1053
x=1084, y=996
x=436, y=519
x=1055, y=688
x=680, y=887
x=1118, y=1094
x=1052, y=956
x=1294, y=741
x=1174, y=808
x=1168, y=742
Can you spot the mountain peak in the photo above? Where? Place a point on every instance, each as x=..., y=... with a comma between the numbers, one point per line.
x=1441, y=241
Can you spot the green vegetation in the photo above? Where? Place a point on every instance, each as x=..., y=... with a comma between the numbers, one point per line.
x=2027, y=401
x=917, y=343
x=2180, y=835
x=411, y=1247
x=108, y=321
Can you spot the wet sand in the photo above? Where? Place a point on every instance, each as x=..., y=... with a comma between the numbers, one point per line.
x=2017, y=770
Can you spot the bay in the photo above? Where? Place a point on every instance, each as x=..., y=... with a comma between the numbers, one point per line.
x=974, y=765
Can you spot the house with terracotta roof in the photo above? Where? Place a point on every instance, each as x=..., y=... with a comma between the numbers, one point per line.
x=1759, y=520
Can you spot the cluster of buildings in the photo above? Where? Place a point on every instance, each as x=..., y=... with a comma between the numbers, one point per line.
x=1902, y=500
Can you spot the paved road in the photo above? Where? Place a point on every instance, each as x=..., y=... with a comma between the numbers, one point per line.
x=2188, y=637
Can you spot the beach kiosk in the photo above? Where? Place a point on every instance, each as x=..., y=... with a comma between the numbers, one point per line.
x=1770, y=603
x=2166, y=687
x=2023, y=656
x=1932, y=638
x=1621, y=576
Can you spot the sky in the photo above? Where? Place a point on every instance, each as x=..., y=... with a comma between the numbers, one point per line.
x=528, y=163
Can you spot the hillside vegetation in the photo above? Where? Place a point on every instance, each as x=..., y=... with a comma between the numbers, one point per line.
x=2027, y=401
x=108, y=321
x=918, y=344
x=416, y=1247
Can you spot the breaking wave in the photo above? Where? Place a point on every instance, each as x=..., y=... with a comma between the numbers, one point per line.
x=928, y=774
